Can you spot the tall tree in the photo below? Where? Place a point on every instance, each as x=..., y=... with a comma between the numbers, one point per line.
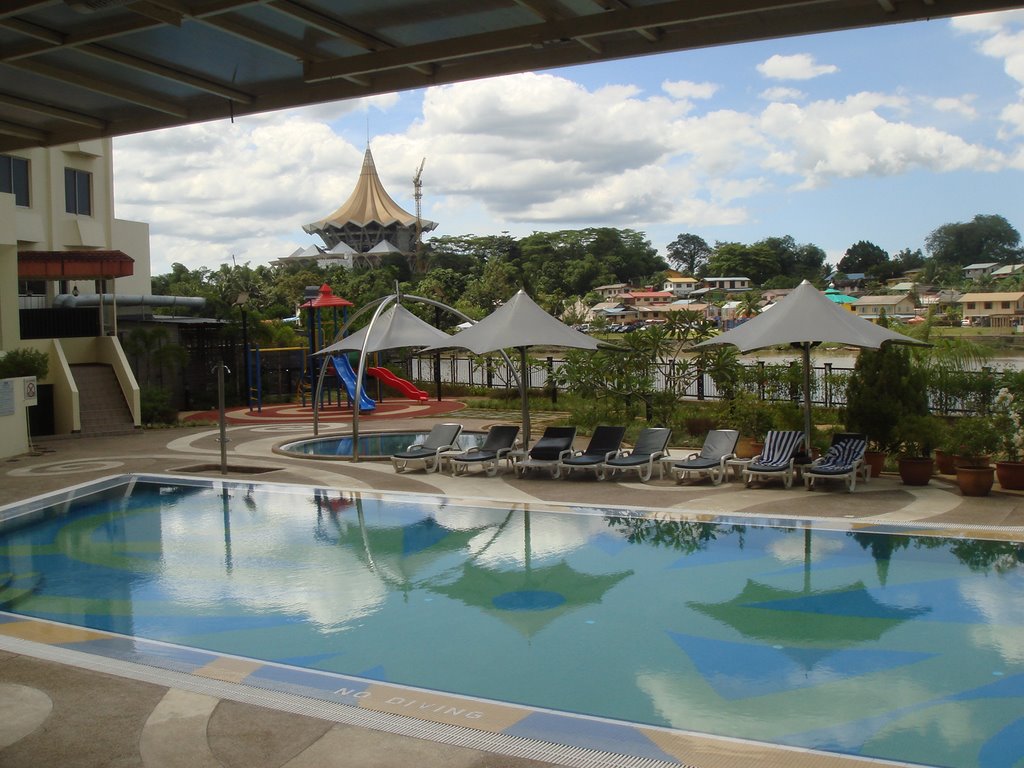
x=986, y=238
x=688, y=253
x=862, y=257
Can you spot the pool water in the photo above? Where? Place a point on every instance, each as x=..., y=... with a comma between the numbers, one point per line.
x=379, y=444
x=866, y=642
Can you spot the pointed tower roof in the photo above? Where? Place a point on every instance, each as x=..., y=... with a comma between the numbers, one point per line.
x=369, y=203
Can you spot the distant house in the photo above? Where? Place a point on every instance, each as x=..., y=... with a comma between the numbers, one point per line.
x=871, y=307
x=680, y=286
x=996, y=310
x=659, y=313
x=613, y=312
x=979, y=270
x=611, y=291
x=648, y=298
x=727, y=284
x=1007, y=270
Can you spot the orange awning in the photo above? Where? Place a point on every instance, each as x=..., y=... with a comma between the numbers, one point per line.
x=74, y=265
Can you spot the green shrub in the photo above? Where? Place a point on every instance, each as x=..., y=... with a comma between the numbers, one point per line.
x=156, y=406
x=24, y=362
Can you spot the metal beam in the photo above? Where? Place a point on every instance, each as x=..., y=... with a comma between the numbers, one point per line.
x=50, y=111
x=168, y=73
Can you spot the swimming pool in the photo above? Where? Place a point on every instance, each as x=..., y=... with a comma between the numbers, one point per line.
x=867, y=641
x=371, y=445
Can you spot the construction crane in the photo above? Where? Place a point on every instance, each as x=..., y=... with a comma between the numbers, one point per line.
x=417, y=195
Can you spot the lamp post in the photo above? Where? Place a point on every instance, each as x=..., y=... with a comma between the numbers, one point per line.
x=240, y=302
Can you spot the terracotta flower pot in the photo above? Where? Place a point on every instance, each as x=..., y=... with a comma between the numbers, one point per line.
x=748, y=448
x=1010, y=475
x=875, y=460
x=944, y=463
x=916, y=470
x=975, y=481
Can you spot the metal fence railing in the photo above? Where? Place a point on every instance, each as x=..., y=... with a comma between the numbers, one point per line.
x=827, y=381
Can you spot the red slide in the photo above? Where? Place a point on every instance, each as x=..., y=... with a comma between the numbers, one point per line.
x=407, y=388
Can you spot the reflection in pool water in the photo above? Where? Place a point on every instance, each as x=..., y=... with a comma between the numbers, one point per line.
x=376, y=444
x=866, y=642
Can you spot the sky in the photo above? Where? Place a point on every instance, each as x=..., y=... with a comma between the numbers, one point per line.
x=882, y=134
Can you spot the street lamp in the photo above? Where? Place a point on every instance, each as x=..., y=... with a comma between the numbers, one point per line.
x=240, y=302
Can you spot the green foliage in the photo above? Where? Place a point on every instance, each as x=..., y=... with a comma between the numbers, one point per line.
x=974, y=437
x=156, y=406
x=984, y=238
x=24, y=362
x=919, y=434
x=748, y=414
x=885, y=386
x=688, y=253
x=767, y=260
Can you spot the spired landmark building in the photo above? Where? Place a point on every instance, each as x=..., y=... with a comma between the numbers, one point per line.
x=367, y=226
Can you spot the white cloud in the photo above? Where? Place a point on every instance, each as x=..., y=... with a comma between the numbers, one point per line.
x=961, y=105
x=686, y=90
x=533, y=151
x=782, y=94
x=1003, y=38
x=799, y=66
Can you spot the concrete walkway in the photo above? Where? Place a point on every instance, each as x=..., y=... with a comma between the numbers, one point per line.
x=53, y=712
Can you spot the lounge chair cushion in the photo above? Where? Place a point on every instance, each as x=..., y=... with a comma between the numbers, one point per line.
x=840, y=458
x=552, y=443
x=779, y=449
x=697, y=463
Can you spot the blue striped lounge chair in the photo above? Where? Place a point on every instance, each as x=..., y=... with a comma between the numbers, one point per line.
x=651, y=445
x=719, y=446
x=554, y=445
x=776, y=459
x=442, y=438
x=604, y=444
x=501, y=440
x=843, y=461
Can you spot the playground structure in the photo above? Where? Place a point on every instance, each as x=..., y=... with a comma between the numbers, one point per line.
x=311, y=366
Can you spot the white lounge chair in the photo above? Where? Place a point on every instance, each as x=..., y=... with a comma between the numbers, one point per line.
x=776, y=459
x=443, y=437
x=719, y=446
x=843, y=461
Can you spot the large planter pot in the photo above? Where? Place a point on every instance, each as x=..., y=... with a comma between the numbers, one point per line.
x=875, y=460
x=916, y=470
x=975, y=481
x=748, y=448
x=1010, y=475
x=944, y=462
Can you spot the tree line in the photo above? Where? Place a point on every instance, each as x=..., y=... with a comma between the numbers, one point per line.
x=474, y=273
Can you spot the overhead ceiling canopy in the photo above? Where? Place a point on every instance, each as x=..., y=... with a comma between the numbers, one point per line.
x=79, y=69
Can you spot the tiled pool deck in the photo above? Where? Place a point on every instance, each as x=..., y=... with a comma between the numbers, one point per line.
x=89, y=698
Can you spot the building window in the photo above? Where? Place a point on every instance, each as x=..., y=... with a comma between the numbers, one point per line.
x=988, y=305
x=14, y=178
x=78, y=191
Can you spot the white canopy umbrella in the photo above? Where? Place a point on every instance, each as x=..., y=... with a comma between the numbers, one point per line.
x=519, y=323
x=804, y=319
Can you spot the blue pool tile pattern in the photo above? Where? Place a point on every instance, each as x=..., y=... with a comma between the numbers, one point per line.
x=585, y=627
